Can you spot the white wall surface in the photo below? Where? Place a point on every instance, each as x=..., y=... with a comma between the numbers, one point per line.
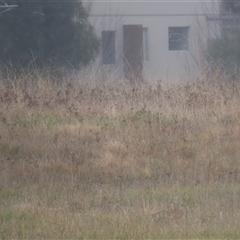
x=157, y=16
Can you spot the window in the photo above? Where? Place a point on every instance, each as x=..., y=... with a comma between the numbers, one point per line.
x=145, y=44
x=178, y=38
x=108, y=47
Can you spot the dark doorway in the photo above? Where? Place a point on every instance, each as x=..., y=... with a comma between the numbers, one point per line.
x=132, y=52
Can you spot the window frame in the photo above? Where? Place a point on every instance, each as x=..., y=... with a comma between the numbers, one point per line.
x=108, y=47
x=145, y=47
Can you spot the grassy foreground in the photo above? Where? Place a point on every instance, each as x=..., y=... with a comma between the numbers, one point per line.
x=119, y=162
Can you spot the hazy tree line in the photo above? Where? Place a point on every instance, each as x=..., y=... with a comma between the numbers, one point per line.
x=224, y=52
x=232, y=5
x=54, y=33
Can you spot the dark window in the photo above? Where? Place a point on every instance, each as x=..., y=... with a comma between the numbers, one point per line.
x=108, y=47
x=178, y=38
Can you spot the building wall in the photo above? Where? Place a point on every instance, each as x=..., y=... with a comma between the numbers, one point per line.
x=157, y=17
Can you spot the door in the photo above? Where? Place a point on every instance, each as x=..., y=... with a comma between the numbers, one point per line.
x=132, y=52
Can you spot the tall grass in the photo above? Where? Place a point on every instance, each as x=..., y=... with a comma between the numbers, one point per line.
x=119, y=161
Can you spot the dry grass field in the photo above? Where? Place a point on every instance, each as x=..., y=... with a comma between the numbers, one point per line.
x=118, y=161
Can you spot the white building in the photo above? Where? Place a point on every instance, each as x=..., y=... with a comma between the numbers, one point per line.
x=159, y=39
